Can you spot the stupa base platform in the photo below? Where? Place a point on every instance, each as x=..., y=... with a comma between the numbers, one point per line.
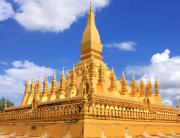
x=89, y=128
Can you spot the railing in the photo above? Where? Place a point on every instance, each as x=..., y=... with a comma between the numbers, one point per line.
x=61, y=111
x=100, y=107
x=125, y=113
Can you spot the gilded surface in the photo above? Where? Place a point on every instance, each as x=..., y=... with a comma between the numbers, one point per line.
x=90, y=102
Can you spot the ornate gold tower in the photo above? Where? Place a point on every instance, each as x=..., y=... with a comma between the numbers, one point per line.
x=91, y=43
x=90, y=102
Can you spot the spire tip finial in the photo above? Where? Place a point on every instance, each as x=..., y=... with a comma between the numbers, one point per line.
x=90, y=5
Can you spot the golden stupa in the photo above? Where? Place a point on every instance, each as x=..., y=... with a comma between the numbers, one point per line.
x=90, y=102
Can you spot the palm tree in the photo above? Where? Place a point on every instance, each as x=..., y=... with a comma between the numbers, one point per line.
x=5, y=102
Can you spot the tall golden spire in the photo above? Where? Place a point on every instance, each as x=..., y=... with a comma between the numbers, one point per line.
x=91, y=42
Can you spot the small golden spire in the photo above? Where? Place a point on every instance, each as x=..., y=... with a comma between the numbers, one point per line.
x=45, y=85
x=54, y=83
x=156, y=86
x=32, y=81
x=27, y=87
x=101, y=74
x=133, y=86
x=141, y=88
x=73, y=78
x=54, y=76
x=46, y=78
x=32, y=87
x=38, y=79
x=62, y=73
x=133, y=76
x=38, y=85
x=123, y=76
x=113, y=86
x=27, y=81
x=62, y=82
x=123, y=84
x=177, y=104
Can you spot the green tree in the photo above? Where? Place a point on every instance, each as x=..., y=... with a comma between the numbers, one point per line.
x=4, y=102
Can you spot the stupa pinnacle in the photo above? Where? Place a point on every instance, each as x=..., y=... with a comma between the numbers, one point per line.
x=91, y=42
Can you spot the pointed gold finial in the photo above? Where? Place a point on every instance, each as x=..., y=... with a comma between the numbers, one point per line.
x=32, y=80
x=54, y=76
x=27, y=81
x=133, y=76
x=90, y=6
x=38, y=79
x=45, y=78
x=141, y=80
x=62, y=73
x=27, y=86
x=123, y=76
x=177, y=104
x=54, y=83
x=45, y=85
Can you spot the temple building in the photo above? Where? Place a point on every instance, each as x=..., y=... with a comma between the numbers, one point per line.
x=90, y=102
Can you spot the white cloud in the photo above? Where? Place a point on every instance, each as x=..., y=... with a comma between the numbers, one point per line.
x=53, y=15
x=3, y=63
x=177, y=97
x=6, y=10
x=12, y=82
x=125, y=46
x=166, y=69
x=18, y=64
x=167, y=102
x=157, y=58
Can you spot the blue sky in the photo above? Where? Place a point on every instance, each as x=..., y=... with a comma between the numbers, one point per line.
x=148, y=27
